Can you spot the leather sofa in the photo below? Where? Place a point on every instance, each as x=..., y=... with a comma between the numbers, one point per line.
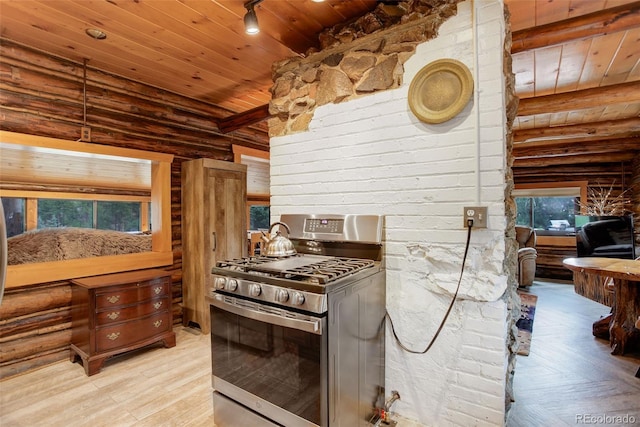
x=527, y=254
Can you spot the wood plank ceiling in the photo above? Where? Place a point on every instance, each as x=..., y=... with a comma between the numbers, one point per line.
x=577, y=67
x=196, y=48
x=578, y=78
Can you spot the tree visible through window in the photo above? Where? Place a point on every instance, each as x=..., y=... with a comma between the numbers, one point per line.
x=553, y=214
x=259, y=216
x=65, y=213
x=120, y=216
x=54, y=213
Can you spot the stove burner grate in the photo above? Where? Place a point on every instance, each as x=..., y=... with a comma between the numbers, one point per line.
x=321, y=272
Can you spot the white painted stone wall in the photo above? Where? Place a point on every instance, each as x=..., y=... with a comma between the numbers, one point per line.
x=372, y=155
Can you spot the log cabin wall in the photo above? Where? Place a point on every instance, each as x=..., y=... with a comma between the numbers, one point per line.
x=635, y=198
x=599, y=173
x=45, y=95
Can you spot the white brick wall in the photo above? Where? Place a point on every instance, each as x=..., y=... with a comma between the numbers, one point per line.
x=372, y=155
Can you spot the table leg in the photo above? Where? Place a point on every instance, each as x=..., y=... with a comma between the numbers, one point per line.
x=623, y=335
x=601, y=327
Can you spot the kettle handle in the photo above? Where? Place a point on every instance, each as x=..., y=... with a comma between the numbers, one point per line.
x=286, y=227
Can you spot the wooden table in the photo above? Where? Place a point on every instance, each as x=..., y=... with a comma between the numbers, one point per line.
x=625, y=310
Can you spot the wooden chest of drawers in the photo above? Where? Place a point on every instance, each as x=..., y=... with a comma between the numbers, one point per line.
x=119, y=312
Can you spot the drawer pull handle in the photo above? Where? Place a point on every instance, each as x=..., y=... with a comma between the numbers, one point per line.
x=157, y=323
x=113, y=299
x=113, y=336
x=114, y=315
x=157, y=290
x=157, y=305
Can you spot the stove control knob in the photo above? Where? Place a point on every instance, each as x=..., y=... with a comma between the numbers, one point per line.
x=231, y=285
x=297, y=298
x=220, y=282
x=255, y=290
x=282, y=295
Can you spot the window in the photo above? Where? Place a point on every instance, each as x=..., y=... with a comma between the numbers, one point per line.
x=258, y=185
x=120, y=216
x=549, y=209
x=14, y=217
x=33, y=168
x=554, y=214
x=53, y=213
x=259, y=216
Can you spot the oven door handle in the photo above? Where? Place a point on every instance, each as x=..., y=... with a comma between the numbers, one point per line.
x=312, y=326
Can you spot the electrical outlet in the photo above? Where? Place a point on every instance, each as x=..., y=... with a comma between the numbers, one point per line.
x=478, y=214
x=85, y=134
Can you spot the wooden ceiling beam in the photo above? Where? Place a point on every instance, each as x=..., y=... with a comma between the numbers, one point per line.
x=245, y=119
x=556, y=142
x=603, y=129
x=580, y=99
x=577, y=147
x=543, y=173
x=573, y=146
x=606, y=21
x=561, y=160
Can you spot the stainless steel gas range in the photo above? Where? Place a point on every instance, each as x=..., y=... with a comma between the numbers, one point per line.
x=299, y=340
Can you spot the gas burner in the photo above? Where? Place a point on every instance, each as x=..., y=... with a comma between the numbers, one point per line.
x=329, y=270
x=313, y=269
x=244, y=264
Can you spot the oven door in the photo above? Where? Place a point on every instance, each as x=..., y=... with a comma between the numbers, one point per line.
x=270, y=360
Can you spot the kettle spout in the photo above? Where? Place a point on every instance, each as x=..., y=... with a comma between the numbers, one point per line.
x=265, y=238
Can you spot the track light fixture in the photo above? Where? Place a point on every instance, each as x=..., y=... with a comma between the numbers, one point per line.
x=250, y=18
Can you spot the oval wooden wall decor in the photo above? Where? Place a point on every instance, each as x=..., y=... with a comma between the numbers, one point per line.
x=440, y=90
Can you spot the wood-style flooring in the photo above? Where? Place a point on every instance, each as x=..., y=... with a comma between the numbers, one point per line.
x=570, y=378
x=153, y=387
x=568, y=373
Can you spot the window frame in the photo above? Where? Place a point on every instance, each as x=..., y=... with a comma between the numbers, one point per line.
x=31, y=204
x=160, y=197
x=255, y=201
x=549, y=189
x=252, y=198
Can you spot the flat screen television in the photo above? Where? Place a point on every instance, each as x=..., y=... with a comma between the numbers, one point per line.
x=605, y=236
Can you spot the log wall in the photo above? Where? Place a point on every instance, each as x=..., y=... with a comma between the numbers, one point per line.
x=620, y=176
x=549, y=261
x=44, y=95
x=635, y=199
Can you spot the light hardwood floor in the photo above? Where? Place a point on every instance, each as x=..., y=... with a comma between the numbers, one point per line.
x=568, y=373
x=155, y=387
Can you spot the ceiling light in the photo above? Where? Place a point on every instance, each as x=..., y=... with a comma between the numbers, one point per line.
x=250, y=18
x=96, y=33
x=251, y=22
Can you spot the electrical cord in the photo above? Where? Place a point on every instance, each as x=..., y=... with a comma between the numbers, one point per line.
x=453, y=300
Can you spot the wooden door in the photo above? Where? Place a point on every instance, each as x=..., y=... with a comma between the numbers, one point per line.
x=213, y=228
x=227, y=226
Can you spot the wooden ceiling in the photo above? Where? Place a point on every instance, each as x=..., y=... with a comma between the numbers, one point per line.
x=196, y=48
x=577, y=68
x=576, y=61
